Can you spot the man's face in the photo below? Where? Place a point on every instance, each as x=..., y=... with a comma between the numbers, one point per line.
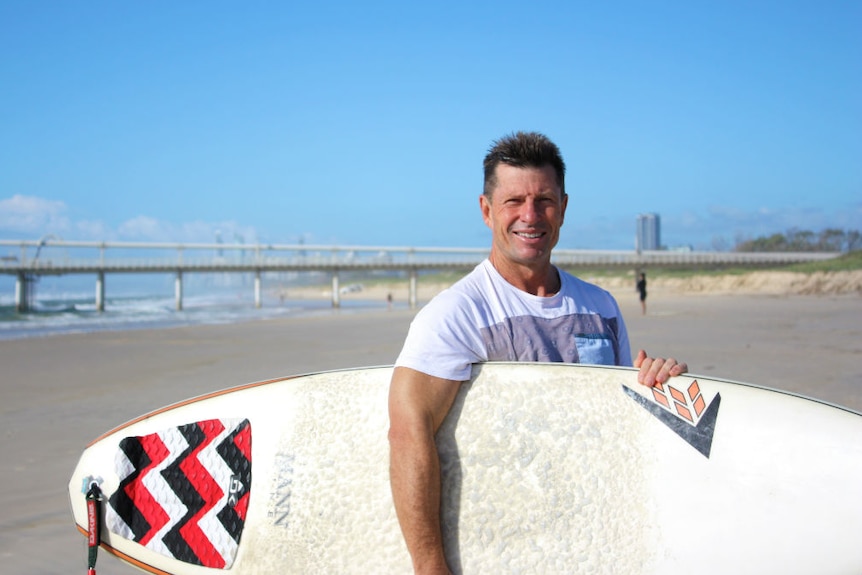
x=525, y=213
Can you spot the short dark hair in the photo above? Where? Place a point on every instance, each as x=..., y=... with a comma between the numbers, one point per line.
x=524, y=150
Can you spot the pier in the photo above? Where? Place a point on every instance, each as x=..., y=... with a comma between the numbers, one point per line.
x=27, y=260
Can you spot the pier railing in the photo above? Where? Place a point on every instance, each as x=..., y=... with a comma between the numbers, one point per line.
x=28, y=259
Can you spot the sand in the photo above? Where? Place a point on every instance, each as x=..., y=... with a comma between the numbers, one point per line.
x=58, y=393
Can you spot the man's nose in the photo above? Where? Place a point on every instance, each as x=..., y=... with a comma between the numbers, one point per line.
x=529, y=211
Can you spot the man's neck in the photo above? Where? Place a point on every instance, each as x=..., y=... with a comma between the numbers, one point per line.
x=541, y=281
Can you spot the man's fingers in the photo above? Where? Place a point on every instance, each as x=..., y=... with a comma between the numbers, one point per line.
x=679, y=369
x=646, y=375
x=658, y=370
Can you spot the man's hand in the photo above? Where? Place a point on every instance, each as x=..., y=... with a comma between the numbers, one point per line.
x=657, y=370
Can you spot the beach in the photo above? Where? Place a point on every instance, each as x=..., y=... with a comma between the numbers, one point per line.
x=61, y=392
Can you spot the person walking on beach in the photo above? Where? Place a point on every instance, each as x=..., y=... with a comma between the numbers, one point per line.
x=641, y=289
x=524, y=204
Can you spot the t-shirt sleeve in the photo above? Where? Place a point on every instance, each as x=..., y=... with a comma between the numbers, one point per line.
x=443, y=340
x=625, y=350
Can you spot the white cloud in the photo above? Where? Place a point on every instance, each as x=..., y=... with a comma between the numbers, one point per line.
x=144, y=228
x=94, y=230
x=33, y=216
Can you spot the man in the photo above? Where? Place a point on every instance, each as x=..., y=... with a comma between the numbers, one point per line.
x=513, y=306
x=640, y=287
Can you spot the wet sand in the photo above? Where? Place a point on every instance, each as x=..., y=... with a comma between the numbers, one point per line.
x=59, y=393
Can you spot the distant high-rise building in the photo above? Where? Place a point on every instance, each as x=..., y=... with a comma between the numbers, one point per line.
x=648, y=232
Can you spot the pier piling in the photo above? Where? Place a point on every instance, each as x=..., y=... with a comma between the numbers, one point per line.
x=336, y=294
x=24, y=287
x=257, y=290
x=178, y=291
x=100, y=291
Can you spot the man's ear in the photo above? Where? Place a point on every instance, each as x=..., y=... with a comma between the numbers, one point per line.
x=485, y=206
x=563, y=204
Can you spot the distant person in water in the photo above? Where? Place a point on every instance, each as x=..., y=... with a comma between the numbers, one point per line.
x=641, y=287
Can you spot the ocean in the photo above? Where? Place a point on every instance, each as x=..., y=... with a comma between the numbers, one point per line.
x=56, y=311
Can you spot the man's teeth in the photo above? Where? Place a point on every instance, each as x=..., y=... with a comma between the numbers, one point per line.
x=529, y=236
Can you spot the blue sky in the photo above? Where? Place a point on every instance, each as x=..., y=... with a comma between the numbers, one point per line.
x=365, y=123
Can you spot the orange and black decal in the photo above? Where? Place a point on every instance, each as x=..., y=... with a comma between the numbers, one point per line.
x=685, y=412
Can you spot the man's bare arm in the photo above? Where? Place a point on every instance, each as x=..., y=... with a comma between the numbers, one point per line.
x=418, y=404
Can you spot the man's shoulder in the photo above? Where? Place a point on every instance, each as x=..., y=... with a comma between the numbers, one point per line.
x=469, y=290
x=577, y=288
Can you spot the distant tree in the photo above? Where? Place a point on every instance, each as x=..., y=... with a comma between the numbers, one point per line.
x=773, y=243
x=800, y=240
x=796, y=240
x=831, y=240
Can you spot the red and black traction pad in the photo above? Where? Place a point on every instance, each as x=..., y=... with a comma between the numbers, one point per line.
x=184, y=492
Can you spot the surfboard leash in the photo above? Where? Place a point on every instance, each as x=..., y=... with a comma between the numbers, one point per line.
x=94, y=526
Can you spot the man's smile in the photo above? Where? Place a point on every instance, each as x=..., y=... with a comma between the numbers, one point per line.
x=529, y=235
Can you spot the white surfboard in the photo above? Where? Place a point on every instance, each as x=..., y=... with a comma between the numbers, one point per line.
x=547, y=468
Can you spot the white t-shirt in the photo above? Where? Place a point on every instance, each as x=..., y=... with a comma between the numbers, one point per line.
x=483, y=318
